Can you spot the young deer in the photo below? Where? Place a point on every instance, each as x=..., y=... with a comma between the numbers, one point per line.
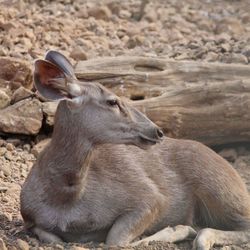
x=88, y=186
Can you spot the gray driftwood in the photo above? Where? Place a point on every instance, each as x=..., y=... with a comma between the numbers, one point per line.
x=208, y=102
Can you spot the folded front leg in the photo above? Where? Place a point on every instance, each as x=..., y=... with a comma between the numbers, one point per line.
x=129, y=226
x=170, y=234
x=46, y=237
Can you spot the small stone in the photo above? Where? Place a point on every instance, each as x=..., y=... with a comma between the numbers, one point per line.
x=4, y=99
x=15, y=141
x=100, y=12
x=38, y=148
x=78, y=54
x=2, y=245
x=78, y=248
x=9, y=156
x=10, y=147
x=20, y=94
x=13, y=188
x=6, y=170
x=2, y=151
x=230, y=25
x=59, y=247
x=124, y=14
x=211, y=56
x=49, y=110
x=229, y=154
x=235, y=58
x=26, y=147
x=22, y=245
x=17, y=72
x=225, y=47
x=2, y=142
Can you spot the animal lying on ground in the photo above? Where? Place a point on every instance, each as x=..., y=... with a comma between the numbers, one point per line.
x=109, y=174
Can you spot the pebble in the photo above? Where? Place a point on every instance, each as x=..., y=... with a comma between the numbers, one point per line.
x=2, y=245
x=229, y=154
x=4, y=99
x=78, y=54
x=6, y=169
x=3, y=150
x=22, y=245
x=10, y=147
x=100, y=12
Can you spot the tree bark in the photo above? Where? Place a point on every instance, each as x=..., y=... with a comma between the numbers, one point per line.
x=208, y=102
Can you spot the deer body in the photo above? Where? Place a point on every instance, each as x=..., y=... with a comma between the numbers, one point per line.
x=82, y=189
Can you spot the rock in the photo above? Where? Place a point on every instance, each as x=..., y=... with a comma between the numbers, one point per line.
x=2, y=151
x=100, y=12
x=78, y=248
x=24, y=117
x=9, y=156
x=49, y=110
x=26, y=147
x=22, y=245
x=6, y=169
x=15, y=72
x=234, y=58
x=20, y=94
x=2, y=245
x=78, y=54
x=229, y=154
x=225, y=47
x=10, y=147
x=230, y=25
x=124, y=14
x=15, y=141
x=2, y=142
x=211, y=56
x=4, y=99
x=13, y=188
x=38, y=148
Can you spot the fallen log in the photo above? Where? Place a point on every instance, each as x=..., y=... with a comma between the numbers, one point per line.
x=208, y=102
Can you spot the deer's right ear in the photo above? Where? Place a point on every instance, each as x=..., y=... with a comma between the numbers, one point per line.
x=50, y=81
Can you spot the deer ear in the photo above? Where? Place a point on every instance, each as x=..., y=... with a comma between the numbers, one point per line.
x=61, y=62
x=50, y=81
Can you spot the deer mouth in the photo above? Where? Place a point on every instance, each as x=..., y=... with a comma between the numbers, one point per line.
x=146, y=142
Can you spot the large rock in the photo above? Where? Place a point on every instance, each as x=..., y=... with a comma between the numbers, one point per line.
x=24, y=117
x=15, y=73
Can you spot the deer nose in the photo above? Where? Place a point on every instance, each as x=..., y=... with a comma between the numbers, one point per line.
x=159, y=133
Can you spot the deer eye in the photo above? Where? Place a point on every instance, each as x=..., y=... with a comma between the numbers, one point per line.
x=112, y=102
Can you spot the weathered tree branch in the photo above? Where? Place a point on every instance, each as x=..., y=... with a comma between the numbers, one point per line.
x=209, y=102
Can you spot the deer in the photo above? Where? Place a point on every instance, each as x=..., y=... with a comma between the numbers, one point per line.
x=110, y=174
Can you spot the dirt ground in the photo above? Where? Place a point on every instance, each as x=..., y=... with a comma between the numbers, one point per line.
x=208, y=30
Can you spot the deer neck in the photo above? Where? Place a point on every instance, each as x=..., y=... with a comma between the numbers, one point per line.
x=65, y=163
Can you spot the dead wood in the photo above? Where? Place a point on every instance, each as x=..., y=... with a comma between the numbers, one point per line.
x=208, y=102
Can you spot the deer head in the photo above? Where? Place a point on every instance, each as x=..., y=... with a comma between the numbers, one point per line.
x=94, y=111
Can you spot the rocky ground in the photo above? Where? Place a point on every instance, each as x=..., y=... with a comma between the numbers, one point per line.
x=202, y=30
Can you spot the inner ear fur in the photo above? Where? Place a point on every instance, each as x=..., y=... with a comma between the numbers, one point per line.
x=50, y=81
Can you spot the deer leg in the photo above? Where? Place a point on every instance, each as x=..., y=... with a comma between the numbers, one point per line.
x=129, y=226
x=169, y=234
x=46, y=237
x=209, y=237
